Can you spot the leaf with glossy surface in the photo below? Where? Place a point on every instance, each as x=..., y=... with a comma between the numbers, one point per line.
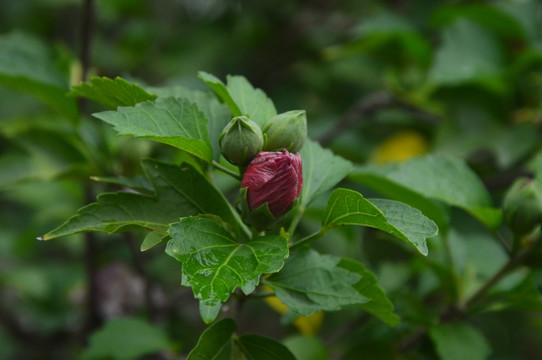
x=321, y=170
x=176, y=122
x=27, y=65
x=112, y=92
x=214, y=263
x=348, y=207
x=179, y=191
x=125, y=339
x=242, y=98
x=421, y=179
x=215, y=342
x=310, y=282
x=459, y=341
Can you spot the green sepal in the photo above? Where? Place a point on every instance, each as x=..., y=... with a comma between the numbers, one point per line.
x=260, y=218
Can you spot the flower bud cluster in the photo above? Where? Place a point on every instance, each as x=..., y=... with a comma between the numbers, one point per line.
x=269, y=157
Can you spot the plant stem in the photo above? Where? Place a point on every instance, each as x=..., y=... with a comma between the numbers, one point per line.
x=300, y=210
x=307, y=240
x=512, y=263
x=224, y=169
x=454, y=312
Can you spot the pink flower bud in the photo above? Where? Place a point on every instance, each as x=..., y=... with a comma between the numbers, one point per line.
x=275, y=178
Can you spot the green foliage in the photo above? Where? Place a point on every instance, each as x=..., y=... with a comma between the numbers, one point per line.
x=125, y=339
x=112, y=92
x=214, y=263
x=433, y=177
x=219, y=342
x=176, y=190
x=176, y=122
x=435, y=106
x=347, y=207
x=459, y=341
x=28, y=65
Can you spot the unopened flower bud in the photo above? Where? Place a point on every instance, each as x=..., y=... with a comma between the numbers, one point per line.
x=286, y=131
x=240, y=141
x=523, y=207
x=270, y=187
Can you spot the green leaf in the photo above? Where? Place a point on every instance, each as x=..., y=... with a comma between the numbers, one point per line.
x=348, y=207
x=220, y=89
x=125, y=339
x=459, y=341
x=112, y=92
x=257, y=347
x=439, y=177
x=215, y=342
x=214, y=263
x=218, y=342
x=179, y=191
x=307, y=347
x=321, y=170
x=152, y=239
x=138, y=183
x=27, y=65
x=468, y=53
x=217, y=113
x=175, y=122
x=310, y=282
x=242, y=98
x=379, y=305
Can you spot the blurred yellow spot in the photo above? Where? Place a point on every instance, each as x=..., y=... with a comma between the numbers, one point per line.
x=306, y=325
x=400, y=147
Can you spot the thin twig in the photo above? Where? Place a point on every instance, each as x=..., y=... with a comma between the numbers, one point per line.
x=367, y=106
x=224, y=169
x=455, y=312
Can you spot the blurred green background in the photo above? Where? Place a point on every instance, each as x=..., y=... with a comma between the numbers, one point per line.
x=381, y=81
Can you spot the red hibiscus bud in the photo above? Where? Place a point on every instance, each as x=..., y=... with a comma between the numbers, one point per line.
x=275, y=179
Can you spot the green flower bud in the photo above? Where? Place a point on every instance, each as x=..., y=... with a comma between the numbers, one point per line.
x=523, y=207
x=286, y=131
x=240, y=141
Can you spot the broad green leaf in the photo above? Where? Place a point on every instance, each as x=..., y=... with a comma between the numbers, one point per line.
x=220, y=89
x=112, y=92
x=139, y=183
x=409, y=221
x=215, y=342
x=321, y=170
x=176, y=122
x=214, y=263
x=310, y=282
x=242, y=98
x=219, y=342
x=27, y=65
x=348, y=207
x=217, y=113
x=125, y=339
x=179, y=191
x=379, y=305
x=485, y=14
x=439, y=177
x=459, y=341
x=468, y=53
x=307, y=347
x=257, y=347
